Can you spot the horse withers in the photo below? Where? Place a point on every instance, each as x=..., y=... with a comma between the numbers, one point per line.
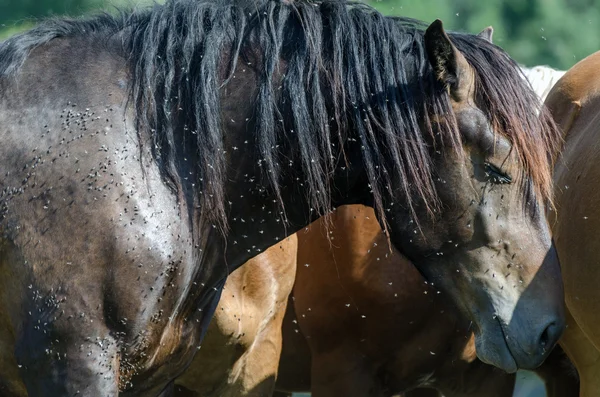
x=146, y=156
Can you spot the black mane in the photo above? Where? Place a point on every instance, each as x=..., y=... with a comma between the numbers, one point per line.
x=348, y=69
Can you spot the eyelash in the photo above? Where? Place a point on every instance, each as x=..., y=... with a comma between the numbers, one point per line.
x=496, y=176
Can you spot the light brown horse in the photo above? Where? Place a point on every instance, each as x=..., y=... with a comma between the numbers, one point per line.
x=575, y=105
x=240, y=353
x=374, y=327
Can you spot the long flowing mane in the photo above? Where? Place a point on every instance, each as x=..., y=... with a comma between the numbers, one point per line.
x=351, y=75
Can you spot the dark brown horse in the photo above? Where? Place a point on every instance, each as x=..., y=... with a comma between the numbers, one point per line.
x=351, y=353
x=230, y=364
x=575, y=104
x=145, y=157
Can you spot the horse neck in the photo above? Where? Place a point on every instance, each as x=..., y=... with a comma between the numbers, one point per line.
x=257, y=220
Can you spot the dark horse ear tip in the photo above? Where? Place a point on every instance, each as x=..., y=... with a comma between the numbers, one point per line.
x=435, y=37
x=442, y=54
x=435, y=31
x=435, y=26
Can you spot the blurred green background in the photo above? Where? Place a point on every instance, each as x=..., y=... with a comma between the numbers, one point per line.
x=557, y=33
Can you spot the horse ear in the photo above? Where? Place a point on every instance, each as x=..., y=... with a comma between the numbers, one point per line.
x=487, y=34
x=449, y=65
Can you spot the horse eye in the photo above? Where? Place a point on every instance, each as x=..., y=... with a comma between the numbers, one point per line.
x=496, y=175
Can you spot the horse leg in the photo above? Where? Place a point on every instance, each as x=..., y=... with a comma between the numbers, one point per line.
x=256, y=370
x=269, y=280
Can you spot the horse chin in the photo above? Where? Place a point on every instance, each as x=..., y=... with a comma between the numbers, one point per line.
x=492, y=349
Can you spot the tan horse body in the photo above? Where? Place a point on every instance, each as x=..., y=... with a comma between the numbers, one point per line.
x=575, y=104
x=240, y=353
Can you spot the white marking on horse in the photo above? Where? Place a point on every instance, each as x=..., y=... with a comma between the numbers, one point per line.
x=542, y=79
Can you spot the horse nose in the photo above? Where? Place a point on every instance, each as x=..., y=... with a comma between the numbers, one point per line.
x=532, y=354
x=549, y=337
x=531, y=351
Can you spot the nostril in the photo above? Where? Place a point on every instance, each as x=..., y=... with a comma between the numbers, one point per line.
x=550, y=336
x=545, y=337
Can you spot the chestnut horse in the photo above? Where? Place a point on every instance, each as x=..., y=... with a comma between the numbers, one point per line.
x=240, y=353
x=575, y=105
x=373, y=326
x=148, y=155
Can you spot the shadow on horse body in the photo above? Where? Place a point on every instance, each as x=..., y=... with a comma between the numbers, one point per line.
x=372, y=325
x=575, y=103
x=144, y=157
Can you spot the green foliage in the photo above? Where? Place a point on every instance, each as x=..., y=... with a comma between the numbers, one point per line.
x=12, y=11
x=557, y=33
x=18, y=15
x=535, y=32
x=8, y=30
